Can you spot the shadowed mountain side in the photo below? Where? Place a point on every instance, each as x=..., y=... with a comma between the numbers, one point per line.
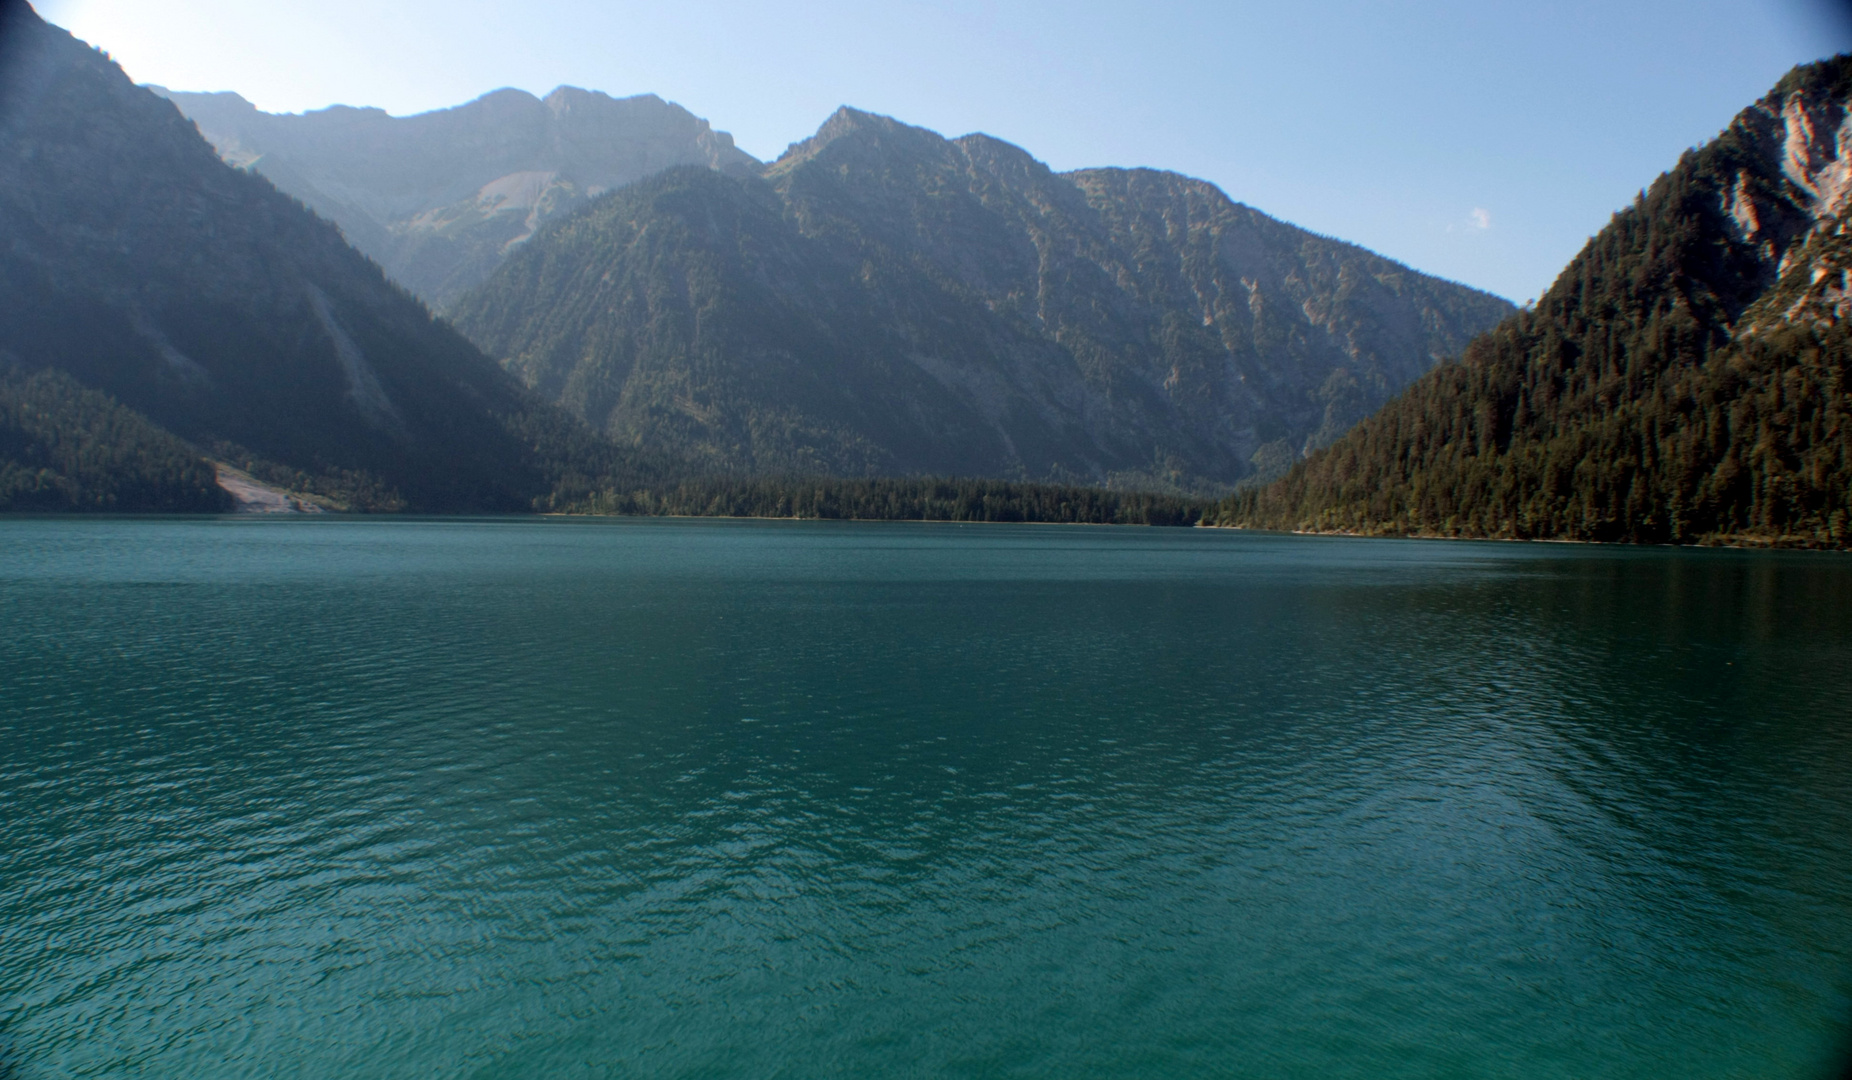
x=65, y=448
x=1687, y=378
x=441, y=197
x=199, y=296
x=888, y=301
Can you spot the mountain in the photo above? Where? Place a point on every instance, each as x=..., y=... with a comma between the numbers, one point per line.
x=197, y=300
x=885, y=301
x=438, y=199
x=1688, y=377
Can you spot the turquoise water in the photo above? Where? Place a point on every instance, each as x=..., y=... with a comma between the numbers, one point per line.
x=643, y=798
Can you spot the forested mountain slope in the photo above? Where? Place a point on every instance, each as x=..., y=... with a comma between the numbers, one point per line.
x=64, y=448
x=1685, y=379
x=199, y=297
x=884, y=301
x=440, y=198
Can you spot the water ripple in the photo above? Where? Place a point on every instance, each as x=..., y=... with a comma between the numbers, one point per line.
x=657, y=798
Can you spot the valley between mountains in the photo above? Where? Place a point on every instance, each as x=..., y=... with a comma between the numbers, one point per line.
x=588, y=304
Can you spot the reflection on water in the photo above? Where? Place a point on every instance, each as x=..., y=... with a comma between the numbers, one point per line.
x=670, y=798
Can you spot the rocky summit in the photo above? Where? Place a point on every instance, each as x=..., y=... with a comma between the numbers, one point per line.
x=884, y=300
x=439, y=198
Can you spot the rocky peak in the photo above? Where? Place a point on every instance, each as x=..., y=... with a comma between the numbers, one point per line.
x=847, y=120
x=439, y=198
x=564, y=99
x=1791, y=154
x=505, y=105
x=869, y=133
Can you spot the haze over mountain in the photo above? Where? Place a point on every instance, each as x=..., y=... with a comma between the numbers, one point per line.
x=439, y=198
x=190, y=295
x=1687, y=377
x=883, y=300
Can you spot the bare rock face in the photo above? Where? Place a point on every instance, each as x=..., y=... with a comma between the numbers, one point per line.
x=1792, y=200
x=439, y=199
x=883, y=300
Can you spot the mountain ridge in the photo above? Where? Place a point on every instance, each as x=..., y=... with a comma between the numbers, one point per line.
x=439, y=197
x=1114, y=326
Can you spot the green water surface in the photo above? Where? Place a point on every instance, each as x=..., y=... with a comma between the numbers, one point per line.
x=725, y=799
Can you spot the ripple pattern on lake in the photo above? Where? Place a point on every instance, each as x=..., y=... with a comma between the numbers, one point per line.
x=635, y=798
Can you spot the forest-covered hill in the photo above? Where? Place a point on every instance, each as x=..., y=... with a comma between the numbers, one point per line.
x=1688, y=377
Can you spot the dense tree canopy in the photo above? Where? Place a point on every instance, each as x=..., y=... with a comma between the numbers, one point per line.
x=65, y=448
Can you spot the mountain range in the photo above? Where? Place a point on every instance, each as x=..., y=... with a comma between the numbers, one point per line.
x=891, y=302
x=438, y=199
x=885, y=301
x=641, y=319
x=1687, y=378
x=174, y=331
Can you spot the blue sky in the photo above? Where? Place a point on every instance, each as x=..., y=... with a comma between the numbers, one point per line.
x=1483, y=141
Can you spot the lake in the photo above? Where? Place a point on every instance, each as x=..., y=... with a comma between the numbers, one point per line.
x=586, y=798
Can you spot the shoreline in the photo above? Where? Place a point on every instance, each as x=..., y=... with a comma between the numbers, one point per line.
x=1741, y=544
x=302, y=508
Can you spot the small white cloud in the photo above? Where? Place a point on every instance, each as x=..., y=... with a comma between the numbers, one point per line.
x=1482, y=218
